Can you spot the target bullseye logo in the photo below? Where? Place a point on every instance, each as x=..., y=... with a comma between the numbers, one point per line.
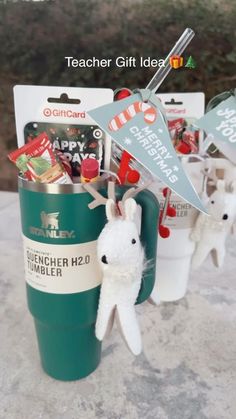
x=97, y=133
x=47, y=112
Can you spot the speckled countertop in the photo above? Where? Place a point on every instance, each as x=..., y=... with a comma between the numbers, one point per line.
x=186, y=371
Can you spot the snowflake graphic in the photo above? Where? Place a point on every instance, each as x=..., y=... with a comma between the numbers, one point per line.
x=127, y=141
x=175, y=168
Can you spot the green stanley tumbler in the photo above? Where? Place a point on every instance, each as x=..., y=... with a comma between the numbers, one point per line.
x=62, y=273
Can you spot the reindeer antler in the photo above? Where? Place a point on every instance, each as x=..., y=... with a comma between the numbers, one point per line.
x=99, y=198
x=111, y=191
x=131, y=193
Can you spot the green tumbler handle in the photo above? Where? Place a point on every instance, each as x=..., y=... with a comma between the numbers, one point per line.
x=149, y=233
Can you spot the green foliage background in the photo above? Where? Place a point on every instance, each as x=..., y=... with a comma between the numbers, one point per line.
x=36, y=36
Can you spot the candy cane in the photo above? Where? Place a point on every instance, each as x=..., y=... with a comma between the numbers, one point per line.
x=65, y=162
x=122, y=118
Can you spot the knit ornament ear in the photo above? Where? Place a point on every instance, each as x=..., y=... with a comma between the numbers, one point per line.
x=220, y=186
x=130, y=208
x=110, y=209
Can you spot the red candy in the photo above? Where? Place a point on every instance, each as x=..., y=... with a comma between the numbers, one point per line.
x=183, y=147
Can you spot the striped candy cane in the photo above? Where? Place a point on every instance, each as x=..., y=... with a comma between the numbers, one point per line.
x=64, y=161
x=122, y=118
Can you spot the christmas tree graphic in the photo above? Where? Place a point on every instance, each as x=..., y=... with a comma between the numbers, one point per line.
x=191, y=63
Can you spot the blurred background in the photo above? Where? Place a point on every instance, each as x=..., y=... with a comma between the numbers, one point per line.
x=35, y=36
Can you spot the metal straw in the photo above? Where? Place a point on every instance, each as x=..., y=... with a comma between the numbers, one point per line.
x=178, y=49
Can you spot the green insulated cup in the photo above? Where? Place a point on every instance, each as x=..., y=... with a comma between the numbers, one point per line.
x=62, y=273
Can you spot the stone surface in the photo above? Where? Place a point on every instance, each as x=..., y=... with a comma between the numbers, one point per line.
x=187, y=369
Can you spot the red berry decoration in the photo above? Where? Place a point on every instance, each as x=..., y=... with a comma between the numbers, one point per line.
x=168, y=211
x=164, y=192
x=164, y=231
x=122, y=94
x=171, y=211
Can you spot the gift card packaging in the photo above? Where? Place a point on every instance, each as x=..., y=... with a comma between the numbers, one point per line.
x=61, y=113
x=182, y=111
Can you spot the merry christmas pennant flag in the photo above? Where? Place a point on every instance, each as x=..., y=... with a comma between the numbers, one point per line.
x=220, y=126
x=139, y=127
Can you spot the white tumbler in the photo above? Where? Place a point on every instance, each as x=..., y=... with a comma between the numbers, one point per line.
x=175, y=252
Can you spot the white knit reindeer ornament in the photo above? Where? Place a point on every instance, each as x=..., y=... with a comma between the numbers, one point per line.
x=210, y=231
x=121, y=256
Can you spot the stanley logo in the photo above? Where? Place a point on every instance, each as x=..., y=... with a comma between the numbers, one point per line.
x=50, y=227
x=49, y=220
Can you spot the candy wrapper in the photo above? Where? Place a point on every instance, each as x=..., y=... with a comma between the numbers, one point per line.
x=75, y=142
x=38, y=162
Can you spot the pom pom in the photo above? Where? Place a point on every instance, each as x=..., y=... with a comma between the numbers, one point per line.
x=164, y=231
x=171, y=212
x=165, y=190
x=122, y=94
x=133, y=176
